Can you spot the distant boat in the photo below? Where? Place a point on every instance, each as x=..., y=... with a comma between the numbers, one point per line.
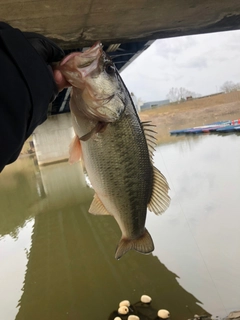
x=219, y=126
x=229, y=128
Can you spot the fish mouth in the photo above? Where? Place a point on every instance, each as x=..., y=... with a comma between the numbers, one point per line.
x=81, y=64
x=91, y=54
x=68, y=57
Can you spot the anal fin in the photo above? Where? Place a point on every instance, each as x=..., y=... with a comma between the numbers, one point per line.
x=160, y=199
x=97, y=207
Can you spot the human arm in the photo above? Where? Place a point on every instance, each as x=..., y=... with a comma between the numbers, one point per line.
x=27, y=86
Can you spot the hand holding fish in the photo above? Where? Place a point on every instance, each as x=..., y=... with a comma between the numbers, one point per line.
x=27, y=86
x=60, y=80
x=50, y=53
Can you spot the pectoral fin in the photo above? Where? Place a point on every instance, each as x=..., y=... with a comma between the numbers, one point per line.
x=160, y=199
x=75, y=150
x=97, y=207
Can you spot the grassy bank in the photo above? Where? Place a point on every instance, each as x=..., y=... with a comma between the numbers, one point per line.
x=192, y=113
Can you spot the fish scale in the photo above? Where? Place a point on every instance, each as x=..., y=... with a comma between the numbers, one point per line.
x=132, y=179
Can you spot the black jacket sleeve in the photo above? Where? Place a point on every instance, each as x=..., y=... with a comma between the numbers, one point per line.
x=26, y=88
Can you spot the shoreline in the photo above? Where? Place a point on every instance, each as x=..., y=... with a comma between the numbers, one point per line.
x=191, y=113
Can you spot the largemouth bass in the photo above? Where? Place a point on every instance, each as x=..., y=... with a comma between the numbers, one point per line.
x=115, y=147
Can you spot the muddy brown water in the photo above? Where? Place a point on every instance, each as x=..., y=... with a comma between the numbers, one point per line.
x=57, y=260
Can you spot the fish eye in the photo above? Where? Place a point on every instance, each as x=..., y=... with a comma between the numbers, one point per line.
x=109, y=68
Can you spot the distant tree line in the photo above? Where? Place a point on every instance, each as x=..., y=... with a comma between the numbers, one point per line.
x=181, y=94
x=230, y=86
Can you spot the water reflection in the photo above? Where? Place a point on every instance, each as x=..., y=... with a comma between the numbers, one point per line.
x=17, y=192
x=71, y=272
x=202, y=221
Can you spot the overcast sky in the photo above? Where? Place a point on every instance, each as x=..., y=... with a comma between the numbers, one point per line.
x=200, y=63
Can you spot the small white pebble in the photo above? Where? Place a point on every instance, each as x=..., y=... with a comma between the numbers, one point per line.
x=133, y=317
x=163, y=314
x=123, y=310
x=146, y=299
x=124, y=303
x=117, y=318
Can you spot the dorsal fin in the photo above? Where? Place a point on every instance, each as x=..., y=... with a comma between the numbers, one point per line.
x=150, y=135
x=97, y=207
x=160, y=199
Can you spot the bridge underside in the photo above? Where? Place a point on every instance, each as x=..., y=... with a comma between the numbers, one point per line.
x=125, y=27
x=79, y=23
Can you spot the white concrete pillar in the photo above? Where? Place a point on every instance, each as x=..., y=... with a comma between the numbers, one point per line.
x=52, y=139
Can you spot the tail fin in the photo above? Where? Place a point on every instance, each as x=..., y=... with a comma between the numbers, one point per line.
x=143, y=244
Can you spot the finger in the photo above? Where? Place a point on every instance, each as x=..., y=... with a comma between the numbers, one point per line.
x=60, y=80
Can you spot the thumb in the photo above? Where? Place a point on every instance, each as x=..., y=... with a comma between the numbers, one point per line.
x=60, y=80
